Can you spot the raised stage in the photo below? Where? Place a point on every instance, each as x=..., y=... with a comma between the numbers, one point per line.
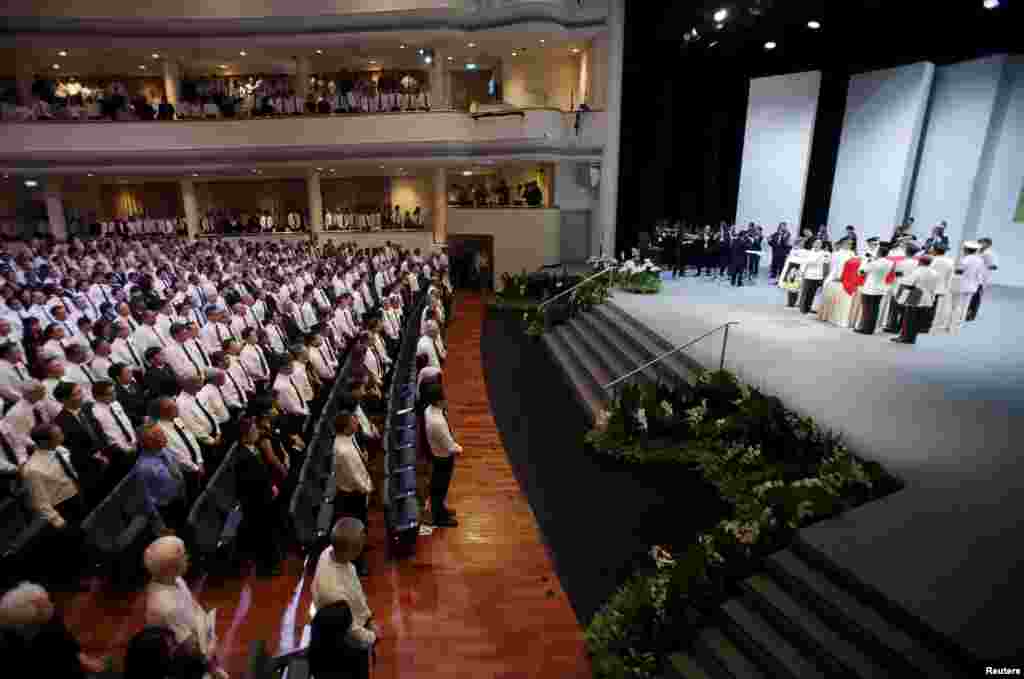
x=946, y=415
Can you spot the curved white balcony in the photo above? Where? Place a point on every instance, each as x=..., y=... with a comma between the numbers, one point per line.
x=170, y=146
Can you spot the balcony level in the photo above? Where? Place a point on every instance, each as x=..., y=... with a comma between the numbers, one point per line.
x=165, y=147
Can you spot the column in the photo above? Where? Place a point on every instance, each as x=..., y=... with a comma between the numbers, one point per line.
x=316, y=204
x=188, y=199
x=55, y=209
x=439, y=97
x=609, y=189
x=440, y=206
x=172, y=78
x=302, y=76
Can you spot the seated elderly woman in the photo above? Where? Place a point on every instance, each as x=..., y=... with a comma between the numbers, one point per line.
x=35, y=639
x=169, y=602
x=336, y=580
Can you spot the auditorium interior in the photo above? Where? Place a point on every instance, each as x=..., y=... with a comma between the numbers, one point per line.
x=512, y=338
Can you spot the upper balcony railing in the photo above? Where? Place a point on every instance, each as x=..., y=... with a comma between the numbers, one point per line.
x=164, y=146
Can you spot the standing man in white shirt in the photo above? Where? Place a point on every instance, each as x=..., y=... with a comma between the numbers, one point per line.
x=336, y=579
x=875, y=268
x=442, y=449
x=972, y=272
x=942, y=306
x=991, y=264
x=920, y=284
x=351, y=474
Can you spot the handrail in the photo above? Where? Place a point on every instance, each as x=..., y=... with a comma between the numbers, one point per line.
x=566, y=292
x=677, y=350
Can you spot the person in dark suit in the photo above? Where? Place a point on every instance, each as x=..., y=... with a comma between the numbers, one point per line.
x=724, y=236
x=81, y=439
x=257, y=492
x=738, y=245
x=129, y=392
x=160, y=379
x=707, y=251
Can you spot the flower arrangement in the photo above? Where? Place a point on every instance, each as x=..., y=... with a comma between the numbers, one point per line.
x=639, y=277
x=774, y=472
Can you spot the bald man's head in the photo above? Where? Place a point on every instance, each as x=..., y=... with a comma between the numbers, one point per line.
x=166, y=558
x=347, y=538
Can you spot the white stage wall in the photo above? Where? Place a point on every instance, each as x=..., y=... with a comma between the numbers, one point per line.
x=777, y=148
x=1002, y=179
x=878, y=148
x=963, y=97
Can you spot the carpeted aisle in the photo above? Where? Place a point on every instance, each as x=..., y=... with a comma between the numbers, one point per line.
x=598, y=519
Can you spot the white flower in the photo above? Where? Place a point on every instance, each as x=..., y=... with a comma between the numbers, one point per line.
x=601, y=422
x=641, y=418
x=666, y=409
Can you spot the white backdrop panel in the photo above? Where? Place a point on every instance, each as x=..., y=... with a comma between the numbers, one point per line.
x=961, y=107
x=878, y=148
x=777, y=148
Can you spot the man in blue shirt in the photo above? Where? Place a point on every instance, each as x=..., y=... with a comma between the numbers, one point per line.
x=163, y=481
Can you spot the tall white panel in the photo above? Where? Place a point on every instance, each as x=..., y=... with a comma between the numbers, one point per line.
x=777, y=148
x=878, y=148
x=963, y=97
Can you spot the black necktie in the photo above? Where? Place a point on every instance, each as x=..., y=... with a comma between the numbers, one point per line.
x=88, y=374
x=297, y=392
x=220, y=337
x=68, y=469
x=8, y=449
x=188, y=444
x=202, y=353
x=199, y=371
x=131, y=348
x=18, y=371
x=213, y=422
x=263, y=361
x=241, y=394
x=121, y=425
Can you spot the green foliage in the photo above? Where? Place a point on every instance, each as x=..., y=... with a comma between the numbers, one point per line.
x=642, y=282
x=514, y=286
x=774, y=471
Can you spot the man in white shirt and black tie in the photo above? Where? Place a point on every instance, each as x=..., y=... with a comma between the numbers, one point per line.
x=254, y=360
x=286, y=391
x=13, y=372
x=442, y=449
x=148, y=335
x=199, y=420
x=352, y=476
x=112, y=422
x=183, y=444
x=124, y=349
x=429, y=345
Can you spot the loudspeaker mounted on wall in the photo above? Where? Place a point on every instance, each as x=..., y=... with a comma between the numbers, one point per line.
x=595, y=175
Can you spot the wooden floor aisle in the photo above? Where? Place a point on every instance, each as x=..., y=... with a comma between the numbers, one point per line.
x=479, y=601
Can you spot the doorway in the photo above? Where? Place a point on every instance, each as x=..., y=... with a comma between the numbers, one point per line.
x=472, y=261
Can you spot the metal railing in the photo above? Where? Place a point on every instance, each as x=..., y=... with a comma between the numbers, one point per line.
x=566, y=292
x=672, y=352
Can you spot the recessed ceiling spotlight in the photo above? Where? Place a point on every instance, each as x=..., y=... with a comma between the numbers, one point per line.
x=90, y=174
x=515, y=54
x=31, y=183
x=451, y=58
x=721, y=15
x=691, y=35
x=421, y=50
x=62, y=53
x=373, y=61
x=319, y=169
x=243, y=53
x=814, y=25
x=319, y=51
x=470, y=67
x=472, y=44
x=428, y=59
x=713, y=43
x=155, y=55
x=382, y=167
x=467, y=173
x=991, y=4
x=402, y=46
x=719, y=27
x=770, y=45
x=542, y=41
x=195, y=174
x=333, y=170
x=575, y=50
x=55, y=67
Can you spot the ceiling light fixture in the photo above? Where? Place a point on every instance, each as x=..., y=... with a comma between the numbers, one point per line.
x=721, y=15
x=421, y=51
x=575, y=50
x=515, y=54
x=428, y=59
x=373, y=61
x=719, y=27
x=770, y=45
x=90, y=174
x=31, y=183
x=691, y=36
x=542, y=41
x=142, y=67
x=243, y=53
x=195, y=174
x=319, y=51
x=471, y=67
x=402, y=46
x=471, y=45
x=451, y=58
x=814, y=25
x=62, y=53
x=991, y=4
x=155, y=55
x=467, y=173
x=55, y=67
x=715, y=42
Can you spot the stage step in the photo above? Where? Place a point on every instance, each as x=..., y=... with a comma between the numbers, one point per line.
x=682, y=666
x=591, y=399
x=629, y=339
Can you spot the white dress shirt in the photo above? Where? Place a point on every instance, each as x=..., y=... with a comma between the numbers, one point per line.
x=974, y=274
x=177, y=444
x=336, y=581
x=289, y=397
x=124, y=350
x=426, y=347
x=149, y=336
x=211, y=398
x=322, y=362
x=116, y=425
x=875, y=272
x=991, y=260
x=185, y=360
x=213, y=334
x=924, y=279
x=944, y=266
x=191, y=411
x=255, y=362
x=48, y=483
x=175, y=608
x=439, y=434
x=301, y=378
x=12, y=377
x=19, y=443
x=351, y=474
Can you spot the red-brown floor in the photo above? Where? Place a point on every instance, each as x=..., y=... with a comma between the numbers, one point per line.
x=479, y=601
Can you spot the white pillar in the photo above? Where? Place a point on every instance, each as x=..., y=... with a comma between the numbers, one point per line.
x=188, y=199
x=302, y=76
x=55, y=209
x=172, y=79
x=440, y=206
x=439, y=96
x=316, y=204
x=609, y=190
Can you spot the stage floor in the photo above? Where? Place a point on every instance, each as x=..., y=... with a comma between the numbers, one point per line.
x=946, y=415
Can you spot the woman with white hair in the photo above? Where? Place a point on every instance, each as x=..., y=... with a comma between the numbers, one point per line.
x=169, y=602
x=33, y=636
